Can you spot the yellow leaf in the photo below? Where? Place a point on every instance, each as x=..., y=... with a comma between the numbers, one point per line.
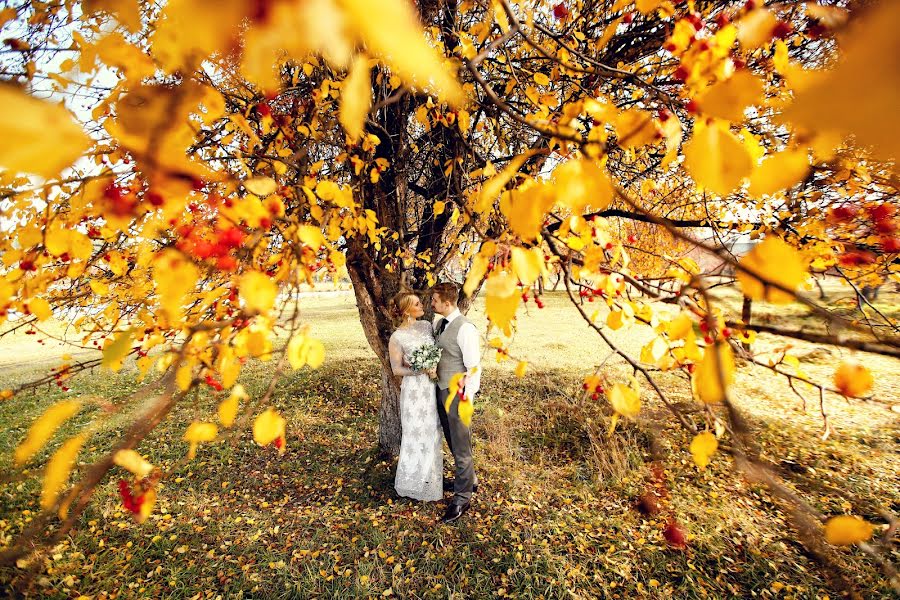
x=527, y=264
x=228, y=408
x=779, y=263
x=7, y=15
x=44, y=428
x=466, y=409
x=304, y=350
x=728, y=99
x=526, y=208
x=56, y=475
x=779, y=171
x=115, y=350
x=392, y=32
x=126, y=12
x=541, y=79
x=647, y=6
x=268, y=427
x=453, y=390
x=175, y=276
x=680, y=327
x=521, y=368
x=310, y=236
x=625, y=400
x=198, y=432
x=132, y=461
x=261, y=186
x=147, y=505
x=853, y=380
x=703, y=446
x=716, y=159
x=213, y=27
x=846, y=530
x=715, y=369
x=864, y=86
x=755, y=29
x=501, y=300
x=257, y=291
x=635, y=128
x=582, y=182
x=38, y=137
x=493, y=186
x=40, y=308
x=356, y=98
x=438, y=207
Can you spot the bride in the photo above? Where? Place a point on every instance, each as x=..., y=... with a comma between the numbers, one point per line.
x=420, y=468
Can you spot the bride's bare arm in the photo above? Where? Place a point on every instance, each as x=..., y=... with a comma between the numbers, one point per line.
x=397, y=362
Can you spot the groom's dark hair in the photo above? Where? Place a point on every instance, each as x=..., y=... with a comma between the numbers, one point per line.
x=449, y=292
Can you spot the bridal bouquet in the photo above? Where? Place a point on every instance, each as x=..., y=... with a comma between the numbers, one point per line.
x=425, y=358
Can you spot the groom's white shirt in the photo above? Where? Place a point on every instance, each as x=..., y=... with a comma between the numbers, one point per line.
x=469, y=342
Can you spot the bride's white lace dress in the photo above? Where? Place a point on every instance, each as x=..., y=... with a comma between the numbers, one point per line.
x=420, y=468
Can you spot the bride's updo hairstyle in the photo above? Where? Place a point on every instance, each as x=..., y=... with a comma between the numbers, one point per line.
x=399, y=305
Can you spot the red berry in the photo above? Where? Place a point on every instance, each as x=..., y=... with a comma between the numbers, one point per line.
x=693, y=107
x=842, y=214
x=722, y=19
x=681, y=73
x=675, y=535
x=232, y=237
x=155, y=198
x=263, y=109
x=856, y=258
x=628, y=18
x=886, y=226
x=782, y=30
x=738, y=63
x=27, y=265
x=726, y=333
x=560, y=11
x=890, y=245
x=202, y=249
x=881, y=212
x=708, y=339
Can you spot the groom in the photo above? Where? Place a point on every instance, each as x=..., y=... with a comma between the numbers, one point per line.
x=458, y=339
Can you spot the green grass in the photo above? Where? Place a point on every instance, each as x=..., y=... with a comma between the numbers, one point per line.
x=554, y=517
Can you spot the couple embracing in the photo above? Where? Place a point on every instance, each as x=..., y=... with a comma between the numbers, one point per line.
x=424, y=411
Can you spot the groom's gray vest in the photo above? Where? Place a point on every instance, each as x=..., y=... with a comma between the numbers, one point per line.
x=451, y=361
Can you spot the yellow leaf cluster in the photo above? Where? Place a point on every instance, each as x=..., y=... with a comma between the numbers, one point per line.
x=716, y=158
x=268, y=427
x=778, y=263
x=39, y=137
x=133, y=462
x=257, y=291
x=56, y=475
x=703, y=446
x=847, y=530
x=853, y=380
x=304, y=350
x=44, y=428
x=711, y=378
x=580, y=183
x=198, y=432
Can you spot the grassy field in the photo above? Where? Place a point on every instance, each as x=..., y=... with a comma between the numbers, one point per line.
x=555, y=516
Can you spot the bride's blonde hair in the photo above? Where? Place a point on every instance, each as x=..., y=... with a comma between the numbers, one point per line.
x=399, y=306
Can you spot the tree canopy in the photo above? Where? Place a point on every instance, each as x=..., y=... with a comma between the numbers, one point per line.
x=175, y=173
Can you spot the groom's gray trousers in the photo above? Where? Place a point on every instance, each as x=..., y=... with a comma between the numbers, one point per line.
x=459, y=438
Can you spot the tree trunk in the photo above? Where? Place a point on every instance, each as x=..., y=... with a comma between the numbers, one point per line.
x=373, y=290
x=746, y=308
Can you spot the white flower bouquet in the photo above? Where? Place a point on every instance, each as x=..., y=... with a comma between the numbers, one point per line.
x=425, y=358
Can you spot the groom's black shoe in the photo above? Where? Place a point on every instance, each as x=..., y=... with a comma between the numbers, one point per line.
x=455, y=511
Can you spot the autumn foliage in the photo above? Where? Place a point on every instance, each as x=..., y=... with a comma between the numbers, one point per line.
x=174, y=174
